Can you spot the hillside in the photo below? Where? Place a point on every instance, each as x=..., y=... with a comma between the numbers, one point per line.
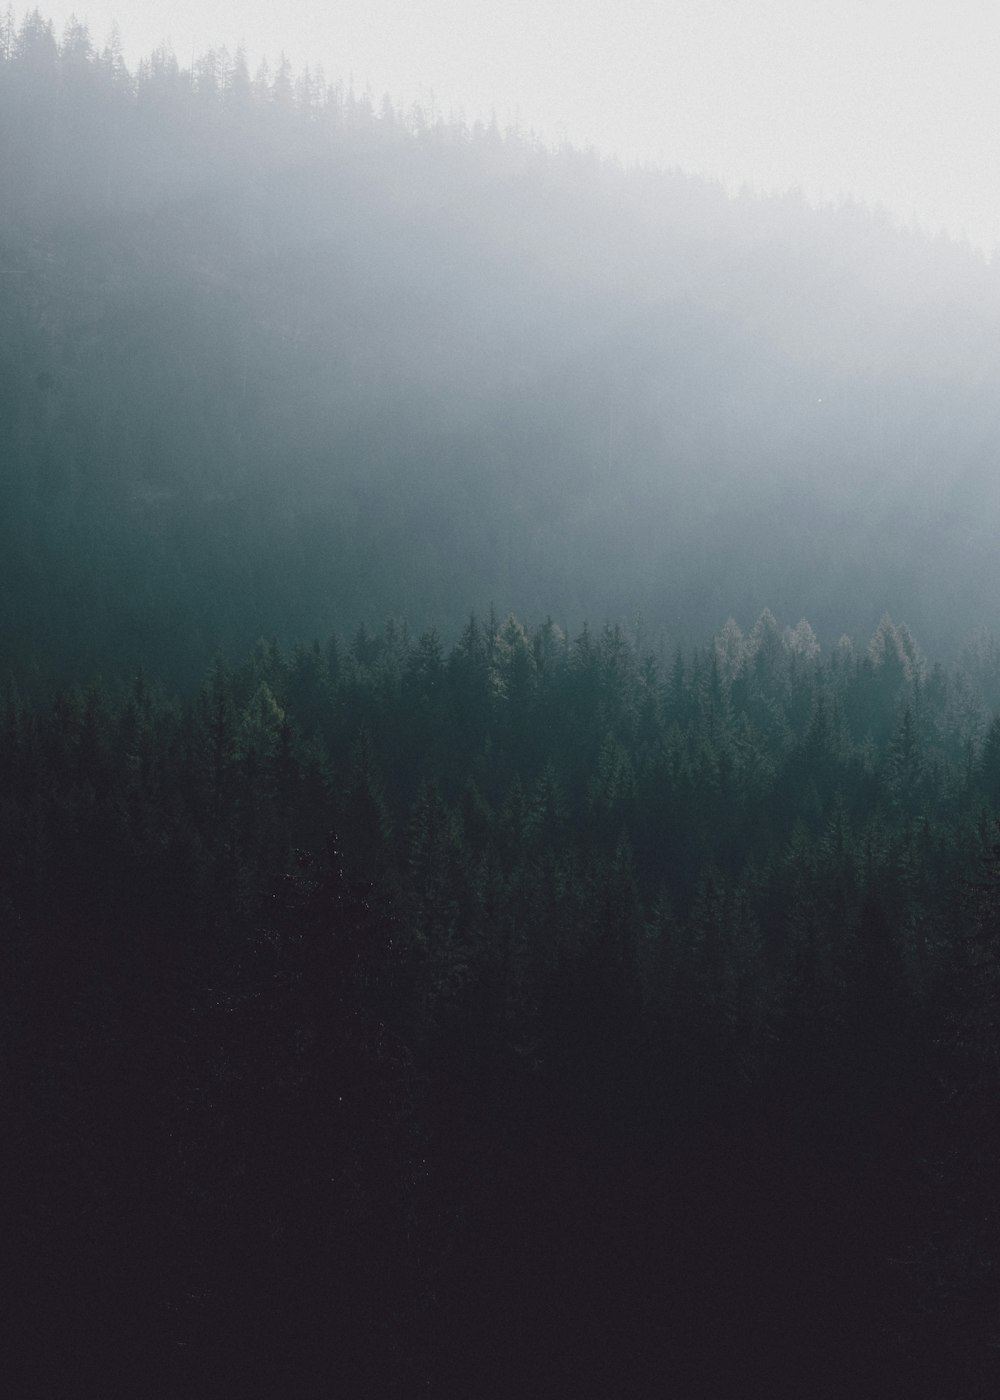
x=273, y=362
x=463, y=930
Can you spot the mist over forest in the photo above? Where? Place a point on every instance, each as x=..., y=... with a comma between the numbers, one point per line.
x=499, y=759
x=277, y=359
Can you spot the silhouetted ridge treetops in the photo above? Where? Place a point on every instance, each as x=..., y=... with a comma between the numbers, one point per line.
x=276, y=358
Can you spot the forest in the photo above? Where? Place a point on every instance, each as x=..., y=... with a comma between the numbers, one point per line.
x=402, y=994
x=514, y=1017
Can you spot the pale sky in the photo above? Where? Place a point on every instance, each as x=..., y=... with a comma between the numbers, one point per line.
x=893, y=102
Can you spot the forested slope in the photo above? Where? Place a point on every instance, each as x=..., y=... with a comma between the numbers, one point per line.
x=520, y=1017
x=464, y=1005
x=274, y=362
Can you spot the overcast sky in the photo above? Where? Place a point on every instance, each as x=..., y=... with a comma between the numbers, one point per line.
x=895, y=102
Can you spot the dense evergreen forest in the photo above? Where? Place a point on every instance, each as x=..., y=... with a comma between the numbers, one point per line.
x=529, y=1017
x=462, y=1005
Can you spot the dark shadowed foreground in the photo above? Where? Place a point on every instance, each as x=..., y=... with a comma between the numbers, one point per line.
x=527, y=1019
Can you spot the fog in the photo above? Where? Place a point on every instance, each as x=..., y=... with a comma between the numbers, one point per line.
x=891, y=104
x=499, y=736
x=279, y=360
